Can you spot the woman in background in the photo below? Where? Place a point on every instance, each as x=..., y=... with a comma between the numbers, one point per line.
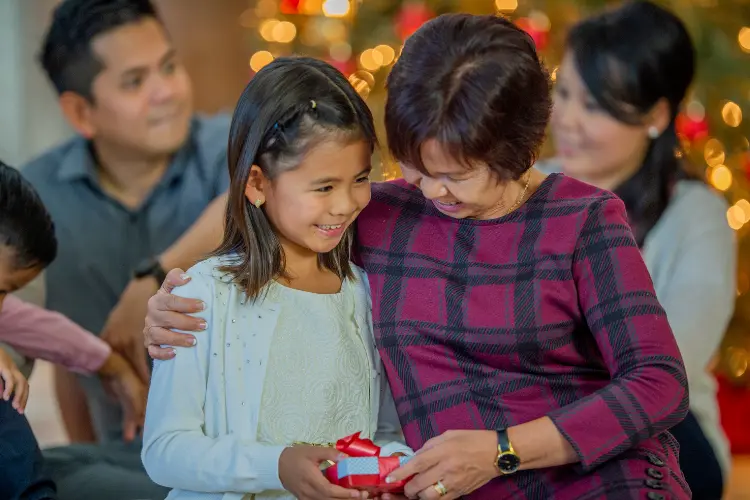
x=618, y=92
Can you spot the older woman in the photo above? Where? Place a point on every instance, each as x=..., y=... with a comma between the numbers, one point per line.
x=517, y=323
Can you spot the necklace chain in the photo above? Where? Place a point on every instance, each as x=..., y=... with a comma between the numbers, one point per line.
x=522, y=195
x=520, y=198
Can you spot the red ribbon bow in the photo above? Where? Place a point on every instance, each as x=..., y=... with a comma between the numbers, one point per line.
x=355, y=446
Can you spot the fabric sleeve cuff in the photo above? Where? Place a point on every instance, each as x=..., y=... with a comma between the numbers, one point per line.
x=94, y=356
x=268, y=468
x=395, y=447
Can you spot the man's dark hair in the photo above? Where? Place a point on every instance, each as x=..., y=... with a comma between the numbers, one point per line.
x=26, y=227
x=67, y=56
x=476, y=85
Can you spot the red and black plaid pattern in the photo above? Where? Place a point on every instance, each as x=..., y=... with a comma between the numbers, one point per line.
x=549, y=310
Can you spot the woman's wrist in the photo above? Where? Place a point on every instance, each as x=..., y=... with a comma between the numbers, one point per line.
x=539, y=444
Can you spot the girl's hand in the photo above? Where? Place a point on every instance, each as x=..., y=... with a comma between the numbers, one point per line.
x=299, y=472
x=12, y=382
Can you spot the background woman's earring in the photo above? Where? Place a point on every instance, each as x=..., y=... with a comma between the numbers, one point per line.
x=258, y=203
x=653, y=132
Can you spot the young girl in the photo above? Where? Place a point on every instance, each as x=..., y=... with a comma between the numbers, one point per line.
x=289, y=363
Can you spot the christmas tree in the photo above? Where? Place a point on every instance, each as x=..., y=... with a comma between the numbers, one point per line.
x=363, y=39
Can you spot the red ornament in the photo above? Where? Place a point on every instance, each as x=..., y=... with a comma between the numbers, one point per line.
x=746, y=165
x=734, y=405
x=346, y=67
x=540, y=37
x=690, y=129
x=412, y=16
x=289, y=6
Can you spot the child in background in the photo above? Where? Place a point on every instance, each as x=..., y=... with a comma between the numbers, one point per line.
x=288, y=365
x=27, y=246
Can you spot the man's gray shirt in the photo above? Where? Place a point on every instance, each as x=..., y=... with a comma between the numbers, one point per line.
x=100, y=240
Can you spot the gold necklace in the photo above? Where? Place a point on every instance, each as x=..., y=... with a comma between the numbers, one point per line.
x=522, y=195
x=519, y=199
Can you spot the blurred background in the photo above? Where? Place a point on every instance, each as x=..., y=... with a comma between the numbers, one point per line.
x=223, y=42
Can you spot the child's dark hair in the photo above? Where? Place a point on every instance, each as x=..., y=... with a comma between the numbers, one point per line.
x=288, y=107
x=67, y=56
x=477, y=86
x=629, y=58
x=26, y=227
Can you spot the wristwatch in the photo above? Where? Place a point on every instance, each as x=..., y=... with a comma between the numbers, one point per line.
x=507, y=460
x=150, y=267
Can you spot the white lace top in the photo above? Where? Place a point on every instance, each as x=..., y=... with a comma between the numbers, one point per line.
x=317, y=382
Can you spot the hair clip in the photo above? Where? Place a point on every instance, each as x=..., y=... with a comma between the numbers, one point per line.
x=276, y=126
x=313, y=103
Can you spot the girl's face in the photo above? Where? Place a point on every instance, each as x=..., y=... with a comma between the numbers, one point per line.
x=591, y=144
x=454, y=189
x=312, y=205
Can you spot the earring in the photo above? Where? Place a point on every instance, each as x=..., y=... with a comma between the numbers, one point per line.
x=653, y=132
x=258, y=203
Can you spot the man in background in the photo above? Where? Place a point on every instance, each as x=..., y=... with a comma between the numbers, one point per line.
x=139, y=172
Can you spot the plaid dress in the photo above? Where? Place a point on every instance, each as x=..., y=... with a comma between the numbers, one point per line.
x=484, y=324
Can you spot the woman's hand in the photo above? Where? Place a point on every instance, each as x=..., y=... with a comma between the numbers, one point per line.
x=12, y=382
x=299, y=472
x=167, y=312
x=461, y=460
x=120, y=379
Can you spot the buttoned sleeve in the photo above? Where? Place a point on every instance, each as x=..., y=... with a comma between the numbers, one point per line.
x=648, y=391
x=177, y=453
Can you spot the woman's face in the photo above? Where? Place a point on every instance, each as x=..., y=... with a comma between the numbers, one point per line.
x=591, y=144
x=454, y=189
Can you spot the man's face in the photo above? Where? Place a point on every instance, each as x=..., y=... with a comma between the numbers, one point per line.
x=142, y=98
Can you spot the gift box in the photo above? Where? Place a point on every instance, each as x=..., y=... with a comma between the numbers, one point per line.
x=364, y=469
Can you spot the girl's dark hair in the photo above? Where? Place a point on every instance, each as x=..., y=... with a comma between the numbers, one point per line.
x=476, y=85
x=288, y=107
x=630, y=58
x=26, y=227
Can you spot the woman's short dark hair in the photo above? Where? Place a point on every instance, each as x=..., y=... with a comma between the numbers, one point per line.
x=26, y=227
x=477, y=86
x=629, y=59
x=288, y=107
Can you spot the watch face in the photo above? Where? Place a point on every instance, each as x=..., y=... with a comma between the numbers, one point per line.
x=508, y=463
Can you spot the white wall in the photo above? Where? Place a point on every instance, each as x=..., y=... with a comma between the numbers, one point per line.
x=30, y=120
x=29, y=117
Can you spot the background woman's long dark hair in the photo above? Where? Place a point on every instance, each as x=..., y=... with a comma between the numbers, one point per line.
x=630, y=58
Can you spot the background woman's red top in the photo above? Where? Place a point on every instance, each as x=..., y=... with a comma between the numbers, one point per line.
x=547, y=311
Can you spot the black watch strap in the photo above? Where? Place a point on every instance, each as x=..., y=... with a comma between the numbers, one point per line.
x=503, y=442
x=153, y=268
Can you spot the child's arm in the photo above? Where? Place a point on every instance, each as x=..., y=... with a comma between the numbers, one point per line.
x=176, y=451
x=38, y=333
